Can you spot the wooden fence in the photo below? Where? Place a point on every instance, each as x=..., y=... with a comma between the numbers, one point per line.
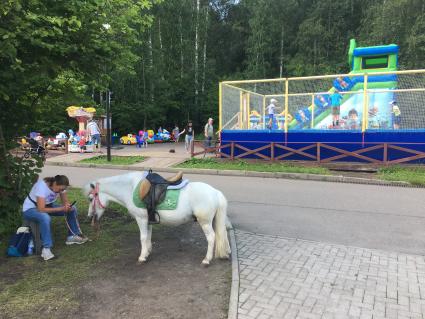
x=388, y=153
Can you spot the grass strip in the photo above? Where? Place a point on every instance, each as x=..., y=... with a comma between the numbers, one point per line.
x=212, y=163
x=115, y=160
x=413, y=175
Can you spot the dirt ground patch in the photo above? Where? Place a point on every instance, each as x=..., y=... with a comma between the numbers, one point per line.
x=172, y=284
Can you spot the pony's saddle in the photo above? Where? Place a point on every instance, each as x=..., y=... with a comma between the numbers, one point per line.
x=153, y=189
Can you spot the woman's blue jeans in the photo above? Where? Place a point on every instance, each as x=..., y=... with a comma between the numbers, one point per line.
x=44, y=220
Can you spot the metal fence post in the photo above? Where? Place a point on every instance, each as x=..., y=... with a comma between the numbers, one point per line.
x=286, y=104
x=312, y=111
x=220, y=106
x=365, y=104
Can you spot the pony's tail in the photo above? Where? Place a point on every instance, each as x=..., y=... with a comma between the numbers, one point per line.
x=222, y=247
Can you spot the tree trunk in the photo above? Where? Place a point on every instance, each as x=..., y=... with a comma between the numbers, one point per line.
x=151, y=71
x=181, y=46
x=161, y=53
x=281, y=53
x=159, y=34
x=196, y=53
x=144, y=93
x=204, y=56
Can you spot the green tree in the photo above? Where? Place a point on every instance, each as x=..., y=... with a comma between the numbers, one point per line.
x=50, y=52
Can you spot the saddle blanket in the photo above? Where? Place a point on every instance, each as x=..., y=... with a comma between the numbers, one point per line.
x=171, y=197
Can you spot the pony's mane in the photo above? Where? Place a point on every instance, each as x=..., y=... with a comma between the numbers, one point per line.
x=87, y=188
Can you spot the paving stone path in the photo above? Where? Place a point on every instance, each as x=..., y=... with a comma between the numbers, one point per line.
x=290, y=278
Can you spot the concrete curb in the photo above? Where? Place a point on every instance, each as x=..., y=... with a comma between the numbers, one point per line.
x=297, y=176
x=234, y=290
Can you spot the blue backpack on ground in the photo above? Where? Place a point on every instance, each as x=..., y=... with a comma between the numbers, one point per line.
x=18, y=244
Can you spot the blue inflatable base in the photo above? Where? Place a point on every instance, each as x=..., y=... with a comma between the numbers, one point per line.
x=399, y=145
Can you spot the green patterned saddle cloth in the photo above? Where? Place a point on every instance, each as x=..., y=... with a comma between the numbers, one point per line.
x=169, y=203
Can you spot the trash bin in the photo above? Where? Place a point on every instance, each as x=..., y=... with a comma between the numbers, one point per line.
x=115, y=139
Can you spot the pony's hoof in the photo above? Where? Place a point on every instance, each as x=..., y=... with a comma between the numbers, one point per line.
x=141, y=260
x=205, y=263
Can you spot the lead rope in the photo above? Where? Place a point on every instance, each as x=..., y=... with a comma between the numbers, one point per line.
x=66, y=221
x=69, y=227
x=95, y=222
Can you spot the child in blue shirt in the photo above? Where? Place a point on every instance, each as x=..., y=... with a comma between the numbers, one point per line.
x=335, y=106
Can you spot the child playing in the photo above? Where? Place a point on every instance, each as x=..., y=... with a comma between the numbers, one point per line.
x=140, y=138
x=82, y=144
x=145, y=138
x=396, y=115
x=335, y=105
x=176, y=133
x=271, y=111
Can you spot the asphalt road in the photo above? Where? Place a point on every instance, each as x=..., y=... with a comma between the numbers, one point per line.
x=389, y=218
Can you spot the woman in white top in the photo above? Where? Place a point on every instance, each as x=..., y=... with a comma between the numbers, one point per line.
x=40, y=205
x=94, y=132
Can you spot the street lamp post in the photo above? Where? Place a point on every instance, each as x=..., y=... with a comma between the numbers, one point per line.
x=107, y=26
x=108, y=125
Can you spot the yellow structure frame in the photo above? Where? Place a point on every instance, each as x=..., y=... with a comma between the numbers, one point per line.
x=286, y=94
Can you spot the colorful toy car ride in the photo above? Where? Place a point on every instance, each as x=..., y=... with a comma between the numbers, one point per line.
x=129, y=139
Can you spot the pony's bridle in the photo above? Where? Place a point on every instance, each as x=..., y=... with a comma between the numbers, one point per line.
x=95, y=200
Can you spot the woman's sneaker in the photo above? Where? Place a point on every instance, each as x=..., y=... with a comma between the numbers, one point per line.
x=47, y=254
x=76, y=240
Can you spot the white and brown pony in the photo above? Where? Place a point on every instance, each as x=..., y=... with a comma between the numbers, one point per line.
x=196, y=199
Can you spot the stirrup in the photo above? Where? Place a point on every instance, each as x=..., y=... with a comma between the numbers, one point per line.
x=156, y=221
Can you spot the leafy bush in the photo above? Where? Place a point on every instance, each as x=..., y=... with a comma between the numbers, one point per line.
x=17, y=175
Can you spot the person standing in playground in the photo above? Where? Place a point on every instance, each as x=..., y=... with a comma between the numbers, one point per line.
x=94, y=132
x=188, y=140
x=176, y=133
x=140, y=139
x=145, y=138
x=396, y=114
x=270, y=111
x=209, y=132
x=335, y=106
x=82, y=144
